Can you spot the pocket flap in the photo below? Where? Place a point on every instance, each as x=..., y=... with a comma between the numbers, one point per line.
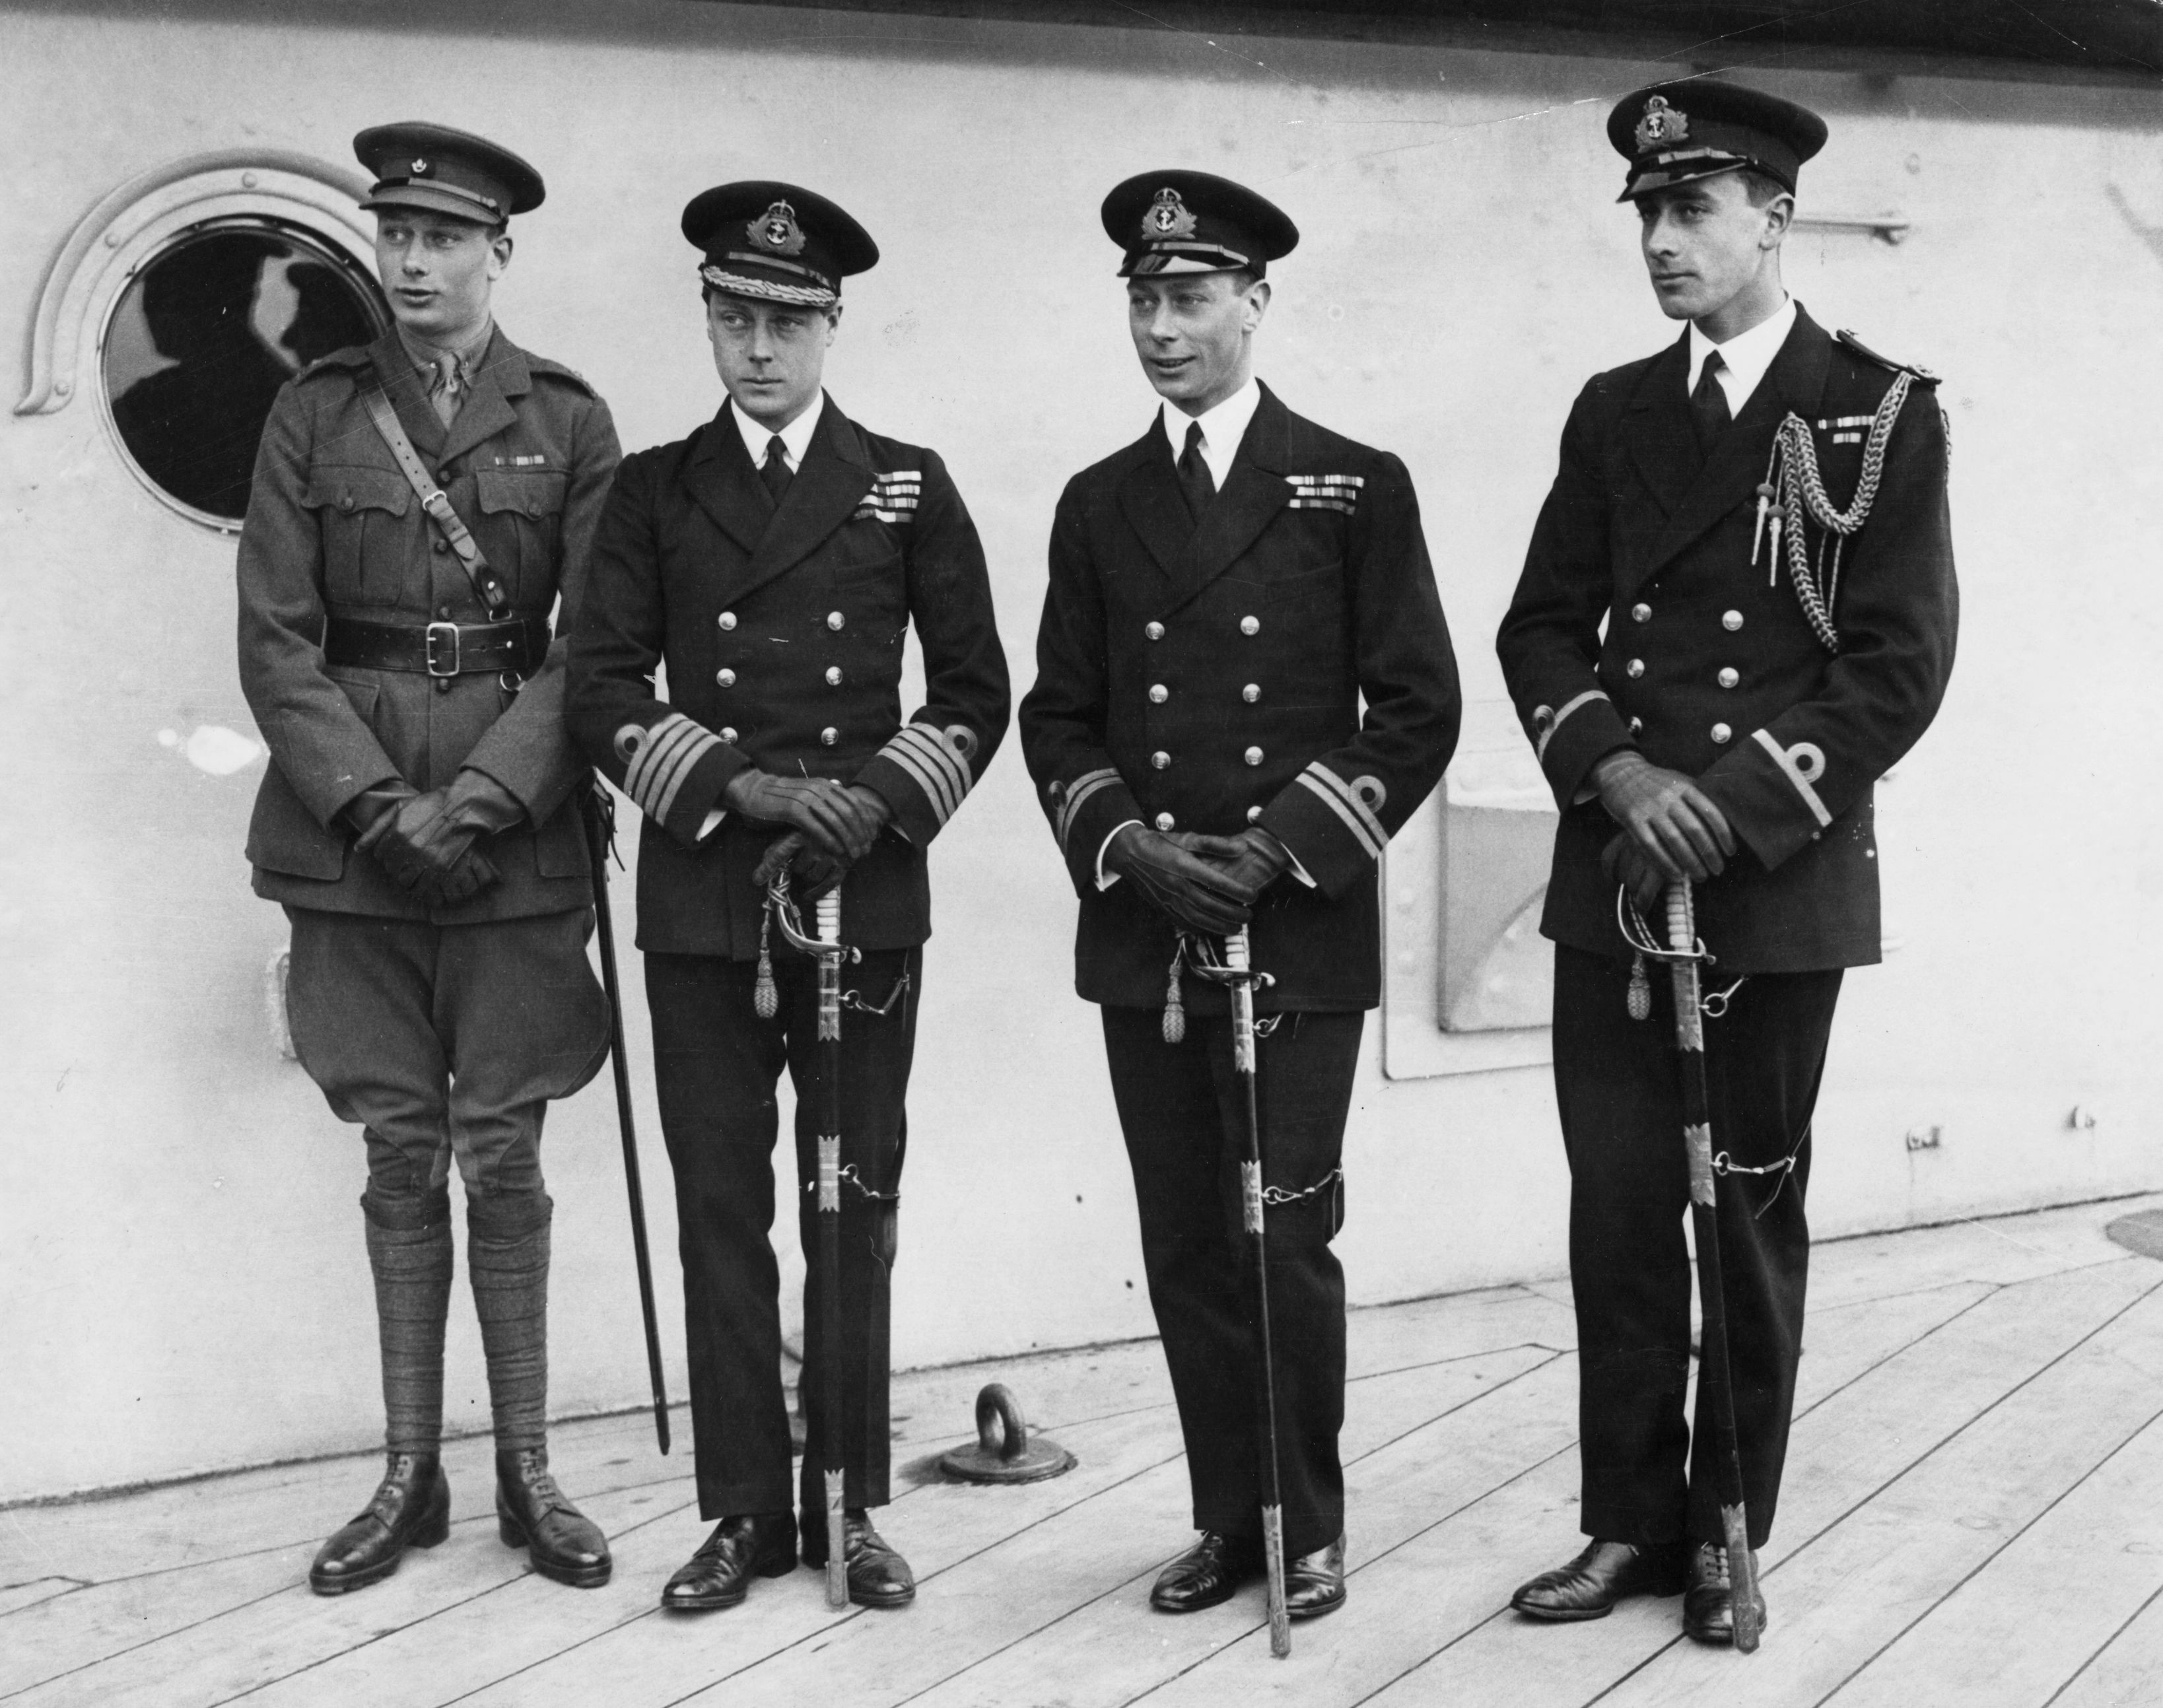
x=349, y=489
x=534, y=492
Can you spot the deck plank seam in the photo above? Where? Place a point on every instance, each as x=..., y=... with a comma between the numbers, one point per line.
x=2131, y=1619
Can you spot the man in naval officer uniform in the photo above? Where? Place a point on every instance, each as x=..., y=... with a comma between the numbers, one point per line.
x=1727, y=727
x=774, y=560
x=1224, y=592
x=418, y=819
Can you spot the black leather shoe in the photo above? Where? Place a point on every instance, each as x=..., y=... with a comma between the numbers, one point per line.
x=1590, y=1585
x=1708, y=1603
x=1208, y=1573
x=746, y=1546
x=411, y=1509
x=878, y=1577
x=533, y=1513
x=1314, y=1583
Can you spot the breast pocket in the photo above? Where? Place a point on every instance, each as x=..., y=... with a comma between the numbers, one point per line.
x=522, y=514
x=362, y=514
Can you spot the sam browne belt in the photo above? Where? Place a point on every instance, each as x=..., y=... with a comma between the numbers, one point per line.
x=436, y=649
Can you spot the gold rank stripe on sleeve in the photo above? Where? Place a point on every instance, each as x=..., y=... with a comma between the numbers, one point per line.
x=1341, y=799
x=892, y=498
x=1087, y=784
x=936, y=768
x=662, y=760
x=1802, y=765
x=1338, y=492
x=1546, y=722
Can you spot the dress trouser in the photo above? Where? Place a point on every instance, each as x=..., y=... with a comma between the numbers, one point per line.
x=1178, y=1108
x=1645, y=1478
x=716, y=1064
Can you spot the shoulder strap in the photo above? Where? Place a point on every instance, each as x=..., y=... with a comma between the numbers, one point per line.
x=487, y=585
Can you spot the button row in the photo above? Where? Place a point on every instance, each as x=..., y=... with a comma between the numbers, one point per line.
x=836, y=621
x=1164, y=821
x=1158, y=693
x=1729, y=620
x=726, y=678
x=1154, y=630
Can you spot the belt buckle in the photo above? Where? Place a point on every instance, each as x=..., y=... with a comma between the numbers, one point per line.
x=435, y=632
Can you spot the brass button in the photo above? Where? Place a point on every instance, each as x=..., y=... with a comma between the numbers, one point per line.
x=1253, y=756
x=836, y=620
x=727, y=620
x=1730, y=677
x=1160, y=759
x=833, y=676
x=1251, y=693
x=1155, y=631
x=1253, y=816
x=1164, y=821
x=829, y=735
x=1721, y=734
x=442, y=545
x=1250, y=626
x=1634, y=669
x=1730, y=620
x=1640, y=613
x=444, y=612
x=1158, y=693
x=727, y=679
x=1637, y=726
x=728, y=734
x=442, y=684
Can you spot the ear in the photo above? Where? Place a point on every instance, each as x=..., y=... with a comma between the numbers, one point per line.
x=833, y=322
x=1257, y=305
x=1779, y=216
x=499, y=253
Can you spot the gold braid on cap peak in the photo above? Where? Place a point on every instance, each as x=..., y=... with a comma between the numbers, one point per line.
x=800, y=295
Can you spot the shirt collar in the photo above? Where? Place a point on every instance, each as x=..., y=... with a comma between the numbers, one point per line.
x=1222, y=428
x=425, y=356
x=1746, y=355
x=795, y=437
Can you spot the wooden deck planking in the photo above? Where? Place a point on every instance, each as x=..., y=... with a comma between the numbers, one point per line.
x=2126, y=1672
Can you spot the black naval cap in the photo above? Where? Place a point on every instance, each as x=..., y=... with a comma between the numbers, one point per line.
x=1195, y=222
x=1673, y=133
x=442, y=170
x=777, y=242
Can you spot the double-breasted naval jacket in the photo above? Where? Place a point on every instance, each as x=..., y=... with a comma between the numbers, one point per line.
x=1641, y=621
x=782, y=631
x=333, y=529
x=1209, y=676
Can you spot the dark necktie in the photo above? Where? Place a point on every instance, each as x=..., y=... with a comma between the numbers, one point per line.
x=1709, y=405
x=1194, y=478
x=775, y=472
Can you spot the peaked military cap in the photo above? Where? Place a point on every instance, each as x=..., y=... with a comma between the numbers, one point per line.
x=1194, y=223
x=1673, y=133
x=777, y=241
x=442, y=170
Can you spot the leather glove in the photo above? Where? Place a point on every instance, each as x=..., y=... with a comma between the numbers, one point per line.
x=1665, y=814
x=1630, y=866
x=1192, y=890
x=835, y=819
x=427, y=846
x=809, y=869
x=1254, y=858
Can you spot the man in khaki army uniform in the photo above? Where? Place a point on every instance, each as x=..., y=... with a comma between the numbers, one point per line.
x=419, y=820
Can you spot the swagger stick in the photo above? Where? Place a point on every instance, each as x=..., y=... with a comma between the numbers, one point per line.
x=1713, y=1368
x=598, y=817
x=830, y=1238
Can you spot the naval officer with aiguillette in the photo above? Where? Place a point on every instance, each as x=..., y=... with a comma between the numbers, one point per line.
x=775, y=561
x=420, y=506
x=1737, y=612
x=1225, y=592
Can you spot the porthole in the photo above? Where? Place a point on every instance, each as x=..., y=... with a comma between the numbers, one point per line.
x=201, y=338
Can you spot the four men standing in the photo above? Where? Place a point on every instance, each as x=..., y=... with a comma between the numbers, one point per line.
x=1246, y=686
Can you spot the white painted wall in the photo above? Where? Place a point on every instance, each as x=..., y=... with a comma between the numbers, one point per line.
x=180, y=1258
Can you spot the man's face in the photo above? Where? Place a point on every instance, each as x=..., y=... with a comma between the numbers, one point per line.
x=1194, y=332
x=770, y=355
x=437, y=271
x=1704, y=243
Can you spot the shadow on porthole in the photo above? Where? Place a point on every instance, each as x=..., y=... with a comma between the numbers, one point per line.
x=202, y=338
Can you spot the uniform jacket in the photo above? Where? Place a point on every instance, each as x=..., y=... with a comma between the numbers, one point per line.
x=333, y=528
x=782, y=631
x=1641, y=533
x=1205, y=677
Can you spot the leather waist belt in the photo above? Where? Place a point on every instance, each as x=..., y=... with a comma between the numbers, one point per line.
x=436, y=649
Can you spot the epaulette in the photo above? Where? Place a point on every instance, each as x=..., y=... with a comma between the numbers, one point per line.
x=1863, y=350
x=541, y=364
x=351, y=357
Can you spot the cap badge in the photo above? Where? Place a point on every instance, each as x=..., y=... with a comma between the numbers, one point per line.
x=1661, y=125
x=1167, y=217
x=776, y=230
x=421, y=168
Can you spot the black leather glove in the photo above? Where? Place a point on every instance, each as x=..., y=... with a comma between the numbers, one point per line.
x=1173, y=874
x=426, y=844
x=809, y=868
x=1630, y=866
x=1254, y=858
x=1676, y=824
x=835, y=819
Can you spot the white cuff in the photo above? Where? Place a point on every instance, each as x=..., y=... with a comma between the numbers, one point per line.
x=713, y=823
x=1104, y=881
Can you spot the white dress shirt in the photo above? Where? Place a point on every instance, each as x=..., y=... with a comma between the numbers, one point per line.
x=1222, y=429
x=795, y=437
x=1743, y=358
